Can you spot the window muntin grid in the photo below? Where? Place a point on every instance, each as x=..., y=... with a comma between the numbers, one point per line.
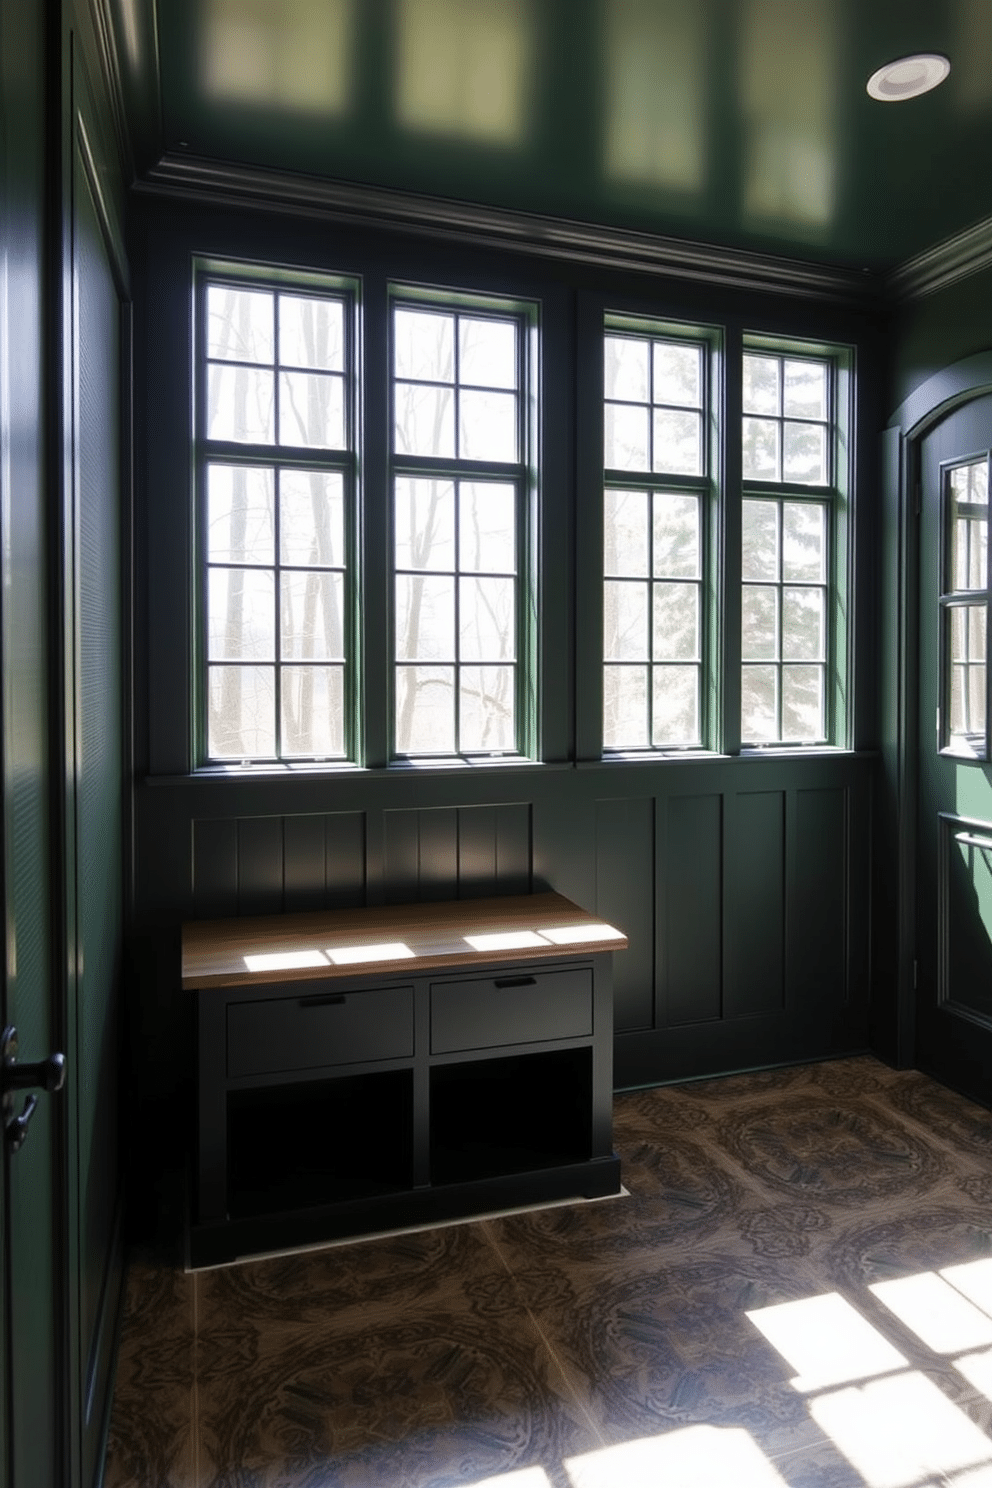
x=652, y=619
x=964, y=605
x=655, y=390
x=459, y=484
x=784, y=620
x=787, y=420
x=275, y=592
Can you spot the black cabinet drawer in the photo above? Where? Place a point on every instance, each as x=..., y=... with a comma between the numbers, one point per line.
x=319, y=1029
x=511, y=1008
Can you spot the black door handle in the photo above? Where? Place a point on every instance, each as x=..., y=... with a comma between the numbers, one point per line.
x=44, y=1074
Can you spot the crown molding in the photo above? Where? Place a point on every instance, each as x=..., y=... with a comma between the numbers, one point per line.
x=105, y=39
x=955, y=258
x=224, y=184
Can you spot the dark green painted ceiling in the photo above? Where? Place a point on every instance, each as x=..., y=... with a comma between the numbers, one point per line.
x=740, y=122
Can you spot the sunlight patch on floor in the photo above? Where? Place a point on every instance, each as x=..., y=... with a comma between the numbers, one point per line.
x=827, y=1341
x=899, y=1430
x=693, y=1457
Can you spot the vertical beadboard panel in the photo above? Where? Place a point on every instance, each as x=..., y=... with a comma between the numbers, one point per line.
x=346, y=859
x=817, y=937
x=215, y=868
x=692, y=920
x=513, y=848
x=401, y=857
x=477, y=852
x=754, y=894
x=625, y=897
x=304, y=871
x=260, y=860
x=438, y=853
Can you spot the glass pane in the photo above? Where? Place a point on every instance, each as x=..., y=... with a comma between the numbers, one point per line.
x=241, y=622
x=678, y=375
x=960, y=704
x=804, y=453
x=802, y=704
x=240, y=527
x=758, y=704
x=425, y=710
x=487, y=709
x=968, y=628
x=424, y=345
x=625, y=707
x=626, y=369
x=678, y=442
x=760, y=449
x=803, y=616
x=676, y=622
x=313, y=711
x=486, y=619
x=311, y=518
x=967, y=512
x=239, y=324
x=625, y=621
x=759, y=539
x=676, y=536
x=311, y=409
x=240, y=405
x=804, y=548
x=487, y=426
x=805, y=391
x=625, y=533
x=759, y=623
x=425, y=420
x=425, y=618
x=487, y=352
x=761, y=385
x=311, y=333
x=424, y=518
x=311, y=616
x=487, y=521
x=626, y=437
x=675, y=721
x=241, y=712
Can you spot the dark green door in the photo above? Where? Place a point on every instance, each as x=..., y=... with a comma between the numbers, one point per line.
x=30, y=1180
x=954, y=905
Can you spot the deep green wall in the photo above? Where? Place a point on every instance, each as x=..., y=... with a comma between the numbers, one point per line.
x=931, y=333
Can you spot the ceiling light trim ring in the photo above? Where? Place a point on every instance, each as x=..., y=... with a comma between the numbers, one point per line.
x=908, y=77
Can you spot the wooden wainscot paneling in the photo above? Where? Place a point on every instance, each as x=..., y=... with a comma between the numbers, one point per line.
x=817, y=926
x=754, y=903
x=463, y=852
x=691, y=913
x=625, y=896
x=271, y=864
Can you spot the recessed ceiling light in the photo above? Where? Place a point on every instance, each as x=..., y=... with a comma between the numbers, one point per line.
x=908, y=77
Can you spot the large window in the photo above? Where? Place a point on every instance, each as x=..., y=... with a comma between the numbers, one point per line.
x=461, y=489
x=654, y=536
x=674, y=535
x=280, y=536
x=276, y=499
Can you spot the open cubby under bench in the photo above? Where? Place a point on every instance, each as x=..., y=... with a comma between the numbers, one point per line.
x=366, y=1070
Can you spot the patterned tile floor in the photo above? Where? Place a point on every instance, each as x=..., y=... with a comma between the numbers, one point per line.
x=622, y=1343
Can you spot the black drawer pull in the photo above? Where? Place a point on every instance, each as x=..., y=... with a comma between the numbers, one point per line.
x=324, y=999
x=524, y=981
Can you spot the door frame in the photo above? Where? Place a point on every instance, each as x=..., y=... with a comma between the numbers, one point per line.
x=898, y=631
